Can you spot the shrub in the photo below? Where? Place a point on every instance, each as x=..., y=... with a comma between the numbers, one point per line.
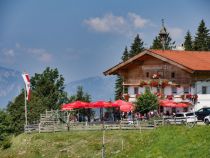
x=146, y=102
x=6, y=143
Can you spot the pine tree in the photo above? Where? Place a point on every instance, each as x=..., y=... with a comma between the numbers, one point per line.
x=202, y=41
x=188, y=43
x=169, y=44
x=118, y=88
x=119, y=80
x=82, y=96
x=156, y=44
x=125, y=54
x=137, y=46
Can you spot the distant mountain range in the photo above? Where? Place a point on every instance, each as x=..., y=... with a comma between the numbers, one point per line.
x=11, y=82
x=10, y=85
x=100, y=88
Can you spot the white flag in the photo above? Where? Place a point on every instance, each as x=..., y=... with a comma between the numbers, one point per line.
x=27, y=84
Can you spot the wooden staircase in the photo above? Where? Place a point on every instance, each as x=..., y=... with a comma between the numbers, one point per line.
x=50, y=122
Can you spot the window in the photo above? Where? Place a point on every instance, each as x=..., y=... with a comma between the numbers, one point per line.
x=173, y=75
x=190, y=114
x=204, y=90
x=136, y=90
x=186, y=90
x=174, y=90
x=147, y=74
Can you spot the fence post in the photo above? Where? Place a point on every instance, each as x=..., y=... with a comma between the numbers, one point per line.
x=39, y=128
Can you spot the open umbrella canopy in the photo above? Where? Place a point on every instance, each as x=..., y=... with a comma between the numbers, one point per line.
x=167, y=103
x=66, y=108
x=75, y=105
x=100, y=104
x=170, y=103
x=119, y=103
x=182, y=105
x=126, y=107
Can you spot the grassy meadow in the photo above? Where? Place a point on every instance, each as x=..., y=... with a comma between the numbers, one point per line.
x=163, y=142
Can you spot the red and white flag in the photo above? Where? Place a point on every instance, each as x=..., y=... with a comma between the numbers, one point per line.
x=27, y=84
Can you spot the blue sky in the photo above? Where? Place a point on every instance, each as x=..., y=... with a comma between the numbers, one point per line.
x=84, y=38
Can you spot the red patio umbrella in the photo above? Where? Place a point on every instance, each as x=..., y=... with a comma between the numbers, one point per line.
x=126, y=107
x=182, y=105
x=118, y=103
x=66, y=108
x=100, y=104
x=167, y=103
x=75, y=105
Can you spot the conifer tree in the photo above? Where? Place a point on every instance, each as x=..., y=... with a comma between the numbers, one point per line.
x=188, y=43
x=137, y=46
x=119, y=80
x=169, y=44
x=125, y=54
x=118, y=87
x=202, y=41
x=156, y=44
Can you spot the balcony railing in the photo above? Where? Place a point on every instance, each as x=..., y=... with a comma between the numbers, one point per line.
x=177, y=98
x=173, y=80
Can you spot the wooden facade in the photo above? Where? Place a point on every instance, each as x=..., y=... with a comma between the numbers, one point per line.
x=143, y=70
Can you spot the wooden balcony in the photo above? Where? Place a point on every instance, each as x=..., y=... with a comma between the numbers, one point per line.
x=137, y=82
x=188, y=98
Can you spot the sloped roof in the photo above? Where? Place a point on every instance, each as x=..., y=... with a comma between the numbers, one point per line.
x=194, y=60
x=189, y=60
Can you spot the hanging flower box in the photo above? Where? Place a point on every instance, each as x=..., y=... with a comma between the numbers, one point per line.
x=188, y=96
x=138, y=95
x=154, y=83
x=126, y=96
x=164, y=83
x=169, y=97
x=143, y=83
x=156, y=76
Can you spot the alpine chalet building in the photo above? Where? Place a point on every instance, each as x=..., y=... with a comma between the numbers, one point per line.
x=180, y=76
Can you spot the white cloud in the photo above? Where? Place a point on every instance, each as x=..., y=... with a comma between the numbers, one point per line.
x=137, y=20
x=175, y=32
x=8, y=52
x=117, y=24
x=40, y=54
x=17, y=45
x=108, y=23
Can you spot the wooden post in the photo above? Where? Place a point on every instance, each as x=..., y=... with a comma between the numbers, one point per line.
x=39, y=128
x=26, y=118
x=103, y=145
x=122, y=145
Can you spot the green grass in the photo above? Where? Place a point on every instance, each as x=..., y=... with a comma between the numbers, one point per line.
x=164, y=142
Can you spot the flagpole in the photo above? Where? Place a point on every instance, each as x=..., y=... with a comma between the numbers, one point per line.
x=26, y=120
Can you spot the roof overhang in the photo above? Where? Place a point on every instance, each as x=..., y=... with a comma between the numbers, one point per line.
x=115, y=69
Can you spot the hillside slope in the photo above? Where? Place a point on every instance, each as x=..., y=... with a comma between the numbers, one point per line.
x=164, y=142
